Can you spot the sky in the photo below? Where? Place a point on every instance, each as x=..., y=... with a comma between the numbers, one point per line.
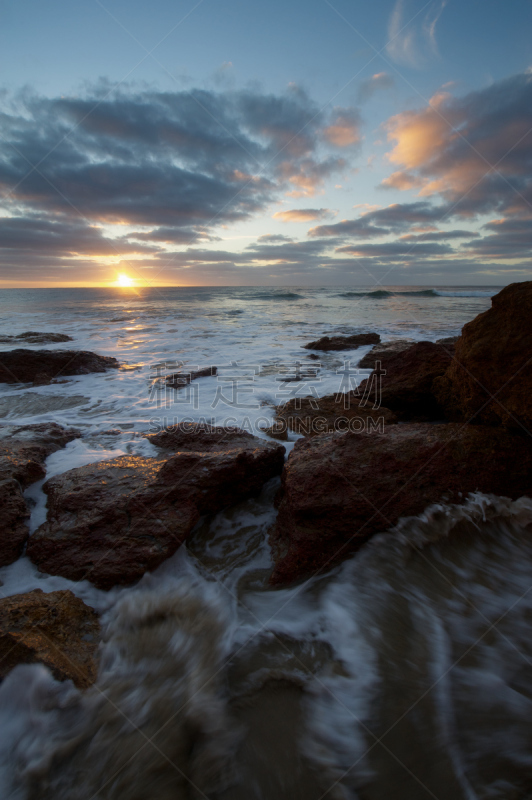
x=223, y=142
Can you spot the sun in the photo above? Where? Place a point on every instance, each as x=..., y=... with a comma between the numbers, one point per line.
x=124, y=280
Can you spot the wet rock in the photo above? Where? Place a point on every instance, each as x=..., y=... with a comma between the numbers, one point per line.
x=35, y=337
x=336, y=412
x=23, y=450
x=340, y=489
x=26, y=366
x=383, y=352
x=406, y=383
x=56, y=629
x=111, y=522
x=343, y=342
x=490, y=380
x=179, y=379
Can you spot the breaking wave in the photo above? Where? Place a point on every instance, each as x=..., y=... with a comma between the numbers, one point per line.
x=383, y=293
x=432, y=623
x=155, y=724
x=277, y=296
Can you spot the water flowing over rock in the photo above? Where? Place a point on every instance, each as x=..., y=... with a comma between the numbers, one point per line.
x=490, y=380
x=23, y=451
x=56, y=629
x=406, y=385
x=113, y=521
x=28, y=403
x=336, y=412
x=343, y=342
x=25, y=366
x=340, y=489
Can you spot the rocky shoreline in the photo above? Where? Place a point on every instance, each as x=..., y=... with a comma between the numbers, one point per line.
x=432, y=423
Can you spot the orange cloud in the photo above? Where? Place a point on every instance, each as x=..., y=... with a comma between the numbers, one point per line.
x=308, y=176
x=303, y=214
x=475, y=150
x=402, y=181
x=418, y=135
x=345, y=129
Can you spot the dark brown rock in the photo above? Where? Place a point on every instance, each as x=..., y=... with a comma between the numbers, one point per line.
x=343, y=342
x=36, y=337
x=383, y=352
x=56, y=629
x=336, y=412
x=111, y=522
x=178, y=379
x=24, y=366
x=14, y=519
x=490, y=380
x=197, y=437
x=340, y=489
x=407, y=385
x=23, y=450
x=448, y=340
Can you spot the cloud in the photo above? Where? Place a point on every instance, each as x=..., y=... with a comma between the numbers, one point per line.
x=380, y=81
x=396, y=249
x=344, y=130
x=308, y=176
x=412, y=32
x=438, y=236
x=61, y=237
x=360, y=227
x=274, y=238
x=402, y=181
x=172, y=165
x=508, y=239
x=475, y=151
x=381, y=221
x=303, y=214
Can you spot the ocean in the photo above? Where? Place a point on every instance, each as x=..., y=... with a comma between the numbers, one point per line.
x=402, y=673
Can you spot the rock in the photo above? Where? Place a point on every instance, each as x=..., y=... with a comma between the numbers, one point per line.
x=23, y=450
x=111, y=522
x=448, y=340
x=406, y=385
x=179, y=379
x=336, y=412
x=200, y=437
x=13, y=526
x=56, y=629
x=382, y=352
x=25, y=366
x=34, y=337
x=42, y=379
x=490, y=381
x=343, y=342
x=339, y=489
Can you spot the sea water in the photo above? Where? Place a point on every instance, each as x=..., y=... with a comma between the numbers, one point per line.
x=406, y=672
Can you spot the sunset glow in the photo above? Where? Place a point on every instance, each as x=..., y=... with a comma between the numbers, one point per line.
x=125, y=281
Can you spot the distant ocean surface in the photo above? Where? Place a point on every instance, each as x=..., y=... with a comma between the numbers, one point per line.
x=260, y=327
